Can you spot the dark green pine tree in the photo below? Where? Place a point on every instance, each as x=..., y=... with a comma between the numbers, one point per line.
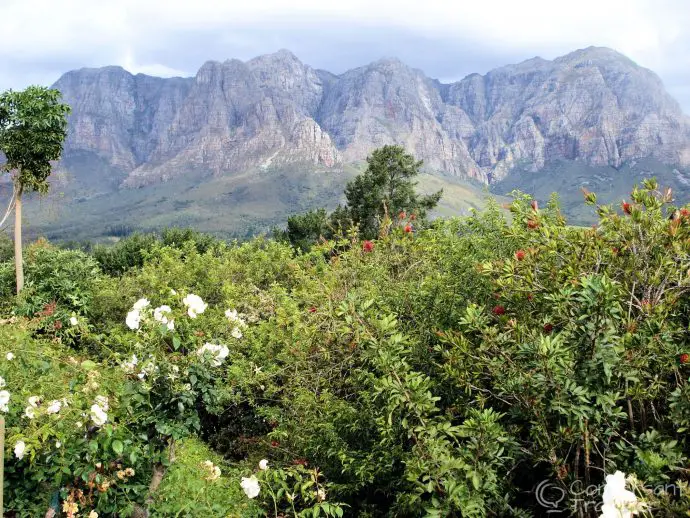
x=387, y=185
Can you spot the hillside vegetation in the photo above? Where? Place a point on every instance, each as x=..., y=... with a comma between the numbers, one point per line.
x=439, y=371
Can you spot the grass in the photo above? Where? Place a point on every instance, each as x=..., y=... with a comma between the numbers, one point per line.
x=82, y=207
x=186, y=493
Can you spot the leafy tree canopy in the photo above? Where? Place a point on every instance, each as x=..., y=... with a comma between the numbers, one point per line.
x=33, y=126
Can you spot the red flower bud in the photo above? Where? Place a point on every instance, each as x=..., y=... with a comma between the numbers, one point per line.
x=413, y=216
x=498, y=310
x=532, y=224
x=312, y=309
x=627, y=208
x=530, y=297
x=408, y=228
x=684, y=358
x=548, y=328
x=367, y=246
x=535, y=205
x=520, y=255
x=275, y=444
x=402, y=215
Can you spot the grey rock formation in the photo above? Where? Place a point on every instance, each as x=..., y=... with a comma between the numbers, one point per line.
x=593, y=105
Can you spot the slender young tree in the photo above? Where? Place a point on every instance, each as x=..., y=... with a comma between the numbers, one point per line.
x=33, y=127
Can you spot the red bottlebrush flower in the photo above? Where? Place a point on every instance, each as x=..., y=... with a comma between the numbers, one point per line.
x=413, y=216
x=367, y=246
x=48, y=309
x=498, y=310
x=548, y=328
x=520, y=255
x=684, y=358
x=532, y=224
x=408, y=228
x=312, y=309
x=627, y=208
x=535, y=205
x=402, y=215
x=275, y=444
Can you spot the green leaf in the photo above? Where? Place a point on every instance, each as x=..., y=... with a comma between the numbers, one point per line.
x=118, y=447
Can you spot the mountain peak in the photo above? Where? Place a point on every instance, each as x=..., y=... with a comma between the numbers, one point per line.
x=597, y=55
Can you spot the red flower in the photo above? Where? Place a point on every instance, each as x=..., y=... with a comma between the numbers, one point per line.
x=275, y=444
x=312, y=309
x=532, y=224
x=58, y=324
x=498, y=310
x=627, y=208
x=548, y=328
x=520, y=255
x=535, y=205
x=300, y=462
x=530, y=297
x=684, y=213
x=684, y=358
x=402, y=215
x=413, y=216
x=368, y=246
x=408, y=228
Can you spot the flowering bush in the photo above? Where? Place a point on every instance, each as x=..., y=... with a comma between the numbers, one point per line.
x=446, y=371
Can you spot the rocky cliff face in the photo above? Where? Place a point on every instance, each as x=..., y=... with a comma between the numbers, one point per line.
x=593, y=105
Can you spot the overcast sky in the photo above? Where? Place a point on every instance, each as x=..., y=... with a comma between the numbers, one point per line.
x=41, y=39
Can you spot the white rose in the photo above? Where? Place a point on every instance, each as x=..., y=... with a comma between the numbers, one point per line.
x=618, y=501
x=250, y=486
x=133, y=319
x=141, y=304
x=263, y=464
x=98, y=416
x=160, y=312
x=19, y=449
x=30, y=412
x=54, y=407
x=195, y=305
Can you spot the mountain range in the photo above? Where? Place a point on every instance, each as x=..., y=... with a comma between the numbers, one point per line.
x=241, y=145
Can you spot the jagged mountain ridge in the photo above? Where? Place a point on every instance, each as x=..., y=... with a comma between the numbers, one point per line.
x=593, y=105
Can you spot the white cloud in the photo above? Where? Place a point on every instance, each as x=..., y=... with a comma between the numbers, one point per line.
x=95, y=33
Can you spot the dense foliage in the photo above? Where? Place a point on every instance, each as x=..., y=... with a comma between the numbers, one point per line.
x=452, y=371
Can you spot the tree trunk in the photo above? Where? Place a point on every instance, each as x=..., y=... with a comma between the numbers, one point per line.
x=18, y=256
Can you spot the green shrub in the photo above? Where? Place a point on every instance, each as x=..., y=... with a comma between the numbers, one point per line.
x=450, y=371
